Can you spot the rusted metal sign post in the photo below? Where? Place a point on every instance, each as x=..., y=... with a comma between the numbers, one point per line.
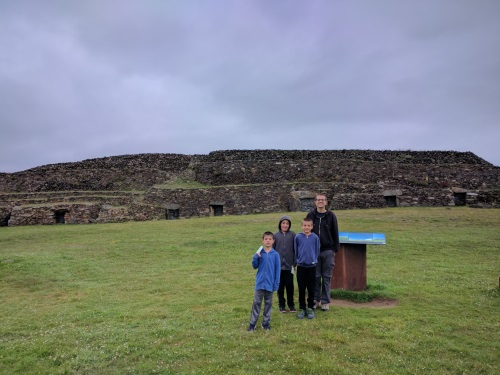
x=350, y=262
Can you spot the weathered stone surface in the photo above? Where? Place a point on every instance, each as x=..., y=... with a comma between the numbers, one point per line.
x=389, y=193
x=46, y=215
x=129, y=187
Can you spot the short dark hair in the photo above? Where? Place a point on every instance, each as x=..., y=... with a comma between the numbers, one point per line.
x=307, y=219
x=268, y=234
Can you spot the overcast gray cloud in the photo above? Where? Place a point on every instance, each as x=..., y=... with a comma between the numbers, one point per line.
x=88, y=79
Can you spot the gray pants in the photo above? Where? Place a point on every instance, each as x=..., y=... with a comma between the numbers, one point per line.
x=324, y=272
x=260, y=295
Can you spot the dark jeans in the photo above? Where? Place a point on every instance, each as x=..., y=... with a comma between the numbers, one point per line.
x=257, y=303
x=286, y=282
x=324, y=272
x=306, y=279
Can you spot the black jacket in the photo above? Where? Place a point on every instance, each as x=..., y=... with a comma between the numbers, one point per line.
x=327, y=229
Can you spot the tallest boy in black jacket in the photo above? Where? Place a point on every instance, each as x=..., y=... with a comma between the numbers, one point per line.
x=326, y=228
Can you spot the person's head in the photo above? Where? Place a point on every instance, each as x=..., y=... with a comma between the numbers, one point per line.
x=268, y=240
x=285, y=224
x=307, y=225
x=321, y=202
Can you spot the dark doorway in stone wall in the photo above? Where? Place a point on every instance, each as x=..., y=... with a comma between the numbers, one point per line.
x=172, y=214
x=216, y=210
x=4, y=221
x=460, y=199
x=306, y=204
x=391, y=201
x=59, y=216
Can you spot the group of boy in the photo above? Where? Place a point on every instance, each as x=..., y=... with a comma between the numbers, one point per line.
x=310, y=254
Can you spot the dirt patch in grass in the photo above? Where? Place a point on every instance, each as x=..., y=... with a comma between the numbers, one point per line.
x=376, y=303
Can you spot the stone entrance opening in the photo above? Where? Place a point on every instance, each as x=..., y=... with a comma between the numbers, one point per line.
x=391, y=201
x=460, y=199
x=391, y=197
x=4, y=221
x=216, y=209
x=59, y=216
x=172, y=211
x=172, y=214
x=306, y=204
x=302, y=200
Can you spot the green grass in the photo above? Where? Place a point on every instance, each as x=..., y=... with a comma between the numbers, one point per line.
x=163, y=297
x=372, y=292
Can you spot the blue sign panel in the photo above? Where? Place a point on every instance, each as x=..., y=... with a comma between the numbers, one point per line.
x=362, y=238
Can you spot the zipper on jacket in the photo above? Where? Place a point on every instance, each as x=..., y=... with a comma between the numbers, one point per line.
x=319, y=227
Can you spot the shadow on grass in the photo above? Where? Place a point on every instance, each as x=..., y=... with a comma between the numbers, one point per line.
x=372, y=296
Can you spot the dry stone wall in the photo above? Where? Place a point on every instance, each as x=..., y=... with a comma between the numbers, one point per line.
x=135, y=187
x=127, y=172
x=51, y=214
x=434, y=168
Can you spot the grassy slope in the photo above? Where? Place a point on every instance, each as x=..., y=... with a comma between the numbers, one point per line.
x=175, y=297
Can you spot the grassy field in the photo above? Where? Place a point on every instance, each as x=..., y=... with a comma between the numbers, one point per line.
x=165, y=297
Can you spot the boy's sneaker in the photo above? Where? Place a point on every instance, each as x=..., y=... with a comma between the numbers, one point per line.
x=266, y=327
x=325, y=307
x=282, y=309
x=301, y=314
x=317, y=304
x=251, y=328
x=310, y=313
x=292, y=309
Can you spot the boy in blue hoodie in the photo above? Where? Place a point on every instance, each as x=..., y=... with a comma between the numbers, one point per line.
x=267, y=280
x=307, y=247
x=284, y=244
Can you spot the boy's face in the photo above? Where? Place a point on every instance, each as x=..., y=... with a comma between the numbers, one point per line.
x=285, y=225
x=307, y=227
x=268, y=241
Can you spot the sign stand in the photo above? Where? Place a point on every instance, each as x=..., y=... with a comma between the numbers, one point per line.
x=349, y=272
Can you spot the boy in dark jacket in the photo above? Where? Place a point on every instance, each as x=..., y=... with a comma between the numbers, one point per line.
x=306, y=257
x=267, y=280
x=326, y=227
x=284, y=245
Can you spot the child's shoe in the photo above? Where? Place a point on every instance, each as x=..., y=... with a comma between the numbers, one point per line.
x=301, y=314
x=251, y=328
x=310, y=313
x=292, y=309
x=325, y=307
x=282, y=309
x=266, y=327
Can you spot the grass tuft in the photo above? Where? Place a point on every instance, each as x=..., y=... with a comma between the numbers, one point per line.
x=371, y=292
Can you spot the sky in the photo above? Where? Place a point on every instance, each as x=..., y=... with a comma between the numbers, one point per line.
x=97, y=78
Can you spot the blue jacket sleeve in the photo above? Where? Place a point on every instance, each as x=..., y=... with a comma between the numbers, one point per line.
x=255, y=261
x=318, y=248
x=277, y=270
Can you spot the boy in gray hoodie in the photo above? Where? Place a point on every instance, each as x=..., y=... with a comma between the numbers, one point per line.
x=284, y=242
